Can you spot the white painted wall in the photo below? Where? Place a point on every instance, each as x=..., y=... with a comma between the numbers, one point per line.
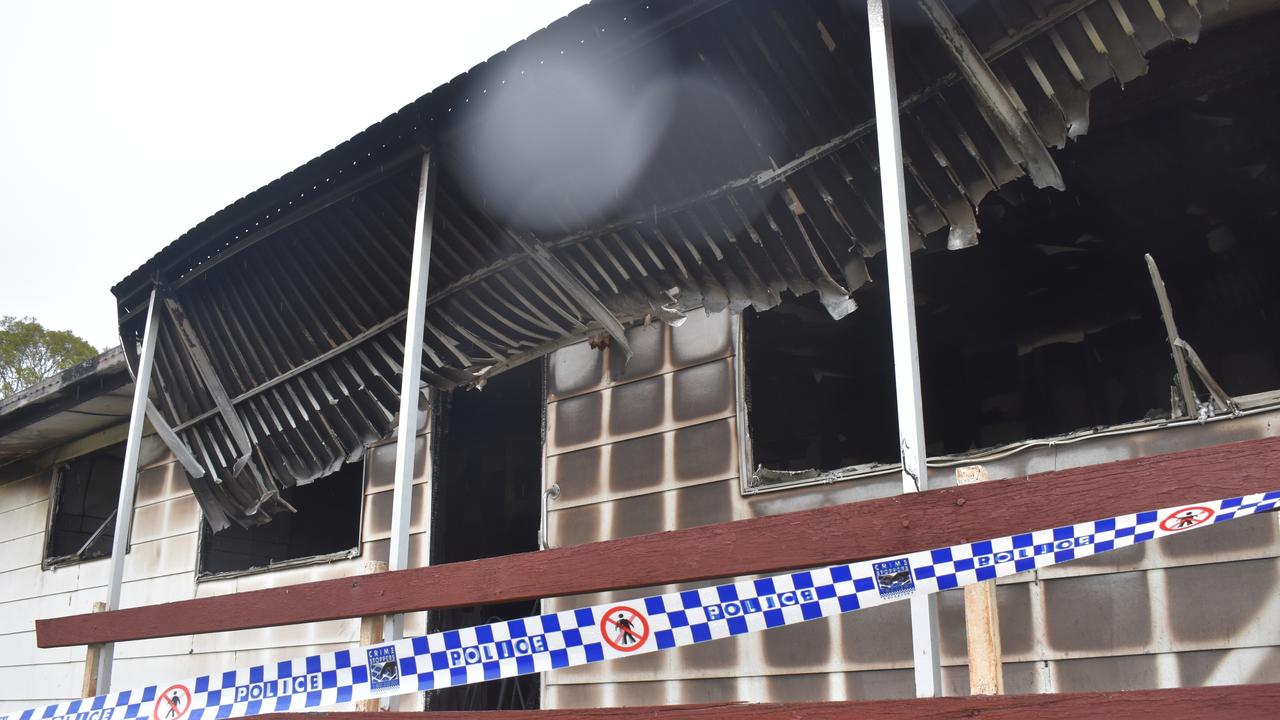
x=161, y=567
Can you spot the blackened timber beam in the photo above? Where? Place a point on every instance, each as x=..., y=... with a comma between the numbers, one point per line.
x=1206, y=703
x=821, y=536
x=1171, y=330
x=580, y=294
x=1225, y=401
x=185, y=457
x=212, y=383
x=313, y=362
x=1010, y=123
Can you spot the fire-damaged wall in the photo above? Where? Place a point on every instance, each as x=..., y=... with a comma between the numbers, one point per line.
x=652, y=446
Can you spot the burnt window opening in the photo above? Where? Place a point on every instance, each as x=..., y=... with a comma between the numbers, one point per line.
x=86, y=494
x=487, y=502
x=325, y=527
x=1050, y=325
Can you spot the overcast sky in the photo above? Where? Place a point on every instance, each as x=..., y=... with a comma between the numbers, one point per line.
x=123, y=124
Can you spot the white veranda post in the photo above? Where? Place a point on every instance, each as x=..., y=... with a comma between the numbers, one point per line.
x=129, y=481
x=906, y=356
x=410, y=383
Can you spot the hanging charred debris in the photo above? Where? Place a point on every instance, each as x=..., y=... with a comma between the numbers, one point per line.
x=1114, y=303
x=636, y=162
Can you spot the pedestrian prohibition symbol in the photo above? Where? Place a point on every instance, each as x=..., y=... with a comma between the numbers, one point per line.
x=624, y=629
x=172, y=704
x=1186, y=518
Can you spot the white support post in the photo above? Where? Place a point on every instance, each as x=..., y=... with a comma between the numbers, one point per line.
x=410, y=383
x=129, y=481
x=906, y=357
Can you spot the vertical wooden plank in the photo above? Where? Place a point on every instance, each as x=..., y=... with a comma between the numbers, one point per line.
x=92, y=655
x=982, y=618
x=370, y=633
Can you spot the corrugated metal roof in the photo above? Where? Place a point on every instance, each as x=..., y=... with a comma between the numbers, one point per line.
x=761, y=179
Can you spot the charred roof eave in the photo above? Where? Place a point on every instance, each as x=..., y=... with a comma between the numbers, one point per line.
x=81, y=400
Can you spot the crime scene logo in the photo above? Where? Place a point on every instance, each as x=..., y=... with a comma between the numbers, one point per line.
x=624, y=629
x=893, y=578
x=384, y=669
x=172, y=704
x=1186, y=518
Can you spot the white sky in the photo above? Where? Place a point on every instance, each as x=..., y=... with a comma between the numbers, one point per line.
x=123, y=124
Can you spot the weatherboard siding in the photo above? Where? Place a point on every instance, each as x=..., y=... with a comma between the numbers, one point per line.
x=161, y=567
x=1193, y=610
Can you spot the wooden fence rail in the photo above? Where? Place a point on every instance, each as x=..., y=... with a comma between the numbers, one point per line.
x=821, y=536
x=1209, y=703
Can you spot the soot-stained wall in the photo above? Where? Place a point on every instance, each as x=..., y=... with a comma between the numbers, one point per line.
x=652, y=446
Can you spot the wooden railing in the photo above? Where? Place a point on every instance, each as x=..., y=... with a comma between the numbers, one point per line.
x=821, y=536
x=1231, y=702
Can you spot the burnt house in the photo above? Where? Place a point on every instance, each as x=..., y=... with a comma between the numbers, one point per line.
x=647, y=251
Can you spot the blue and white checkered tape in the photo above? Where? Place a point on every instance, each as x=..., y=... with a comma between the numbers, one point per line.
x=603, y=632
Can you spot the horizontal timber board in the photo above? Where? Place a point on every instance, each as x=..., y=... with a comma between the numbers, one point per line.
x=821, y=536
x=1239, y=701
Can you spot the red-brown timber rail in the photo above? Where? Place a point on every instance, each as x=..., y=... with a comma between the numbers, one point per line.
x=1210, y=703
x=822, y=536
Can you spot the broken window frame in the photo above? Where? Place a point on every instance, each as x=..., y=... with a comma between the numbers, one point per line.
x=202, y=575
x=751, y=482
x=50, y=561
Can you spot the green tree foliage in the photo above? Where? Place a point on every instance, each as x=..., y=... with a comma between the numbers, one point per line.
x=29, y=353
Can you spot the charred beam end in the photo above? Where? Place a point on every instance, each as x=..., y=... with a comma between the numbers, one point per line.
x=171, y=440
x=211, y=381
x=1171, y=329
x=1230, y=701
x=589, y=302
x=822, y=536
x=1011, y=124
x=1220, y=396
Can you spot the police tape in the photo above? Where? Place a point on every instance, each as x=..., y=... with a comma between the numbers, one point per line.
x=603, y=632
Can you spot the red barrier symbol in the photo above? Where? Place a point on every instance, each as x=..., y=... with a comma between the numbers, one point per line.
x=1186, y=518
x=624, y=628
x=172, y=704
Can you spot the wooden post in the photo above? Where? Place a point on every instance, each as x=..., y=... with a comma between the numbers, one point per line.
x=92, y=654
x=982, y=618
x=370, y=633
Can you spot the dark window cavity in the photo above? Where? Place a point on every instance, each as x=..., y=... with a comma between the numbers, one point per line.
x=86, y=492
x=1051, y=325
x=325, y=526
